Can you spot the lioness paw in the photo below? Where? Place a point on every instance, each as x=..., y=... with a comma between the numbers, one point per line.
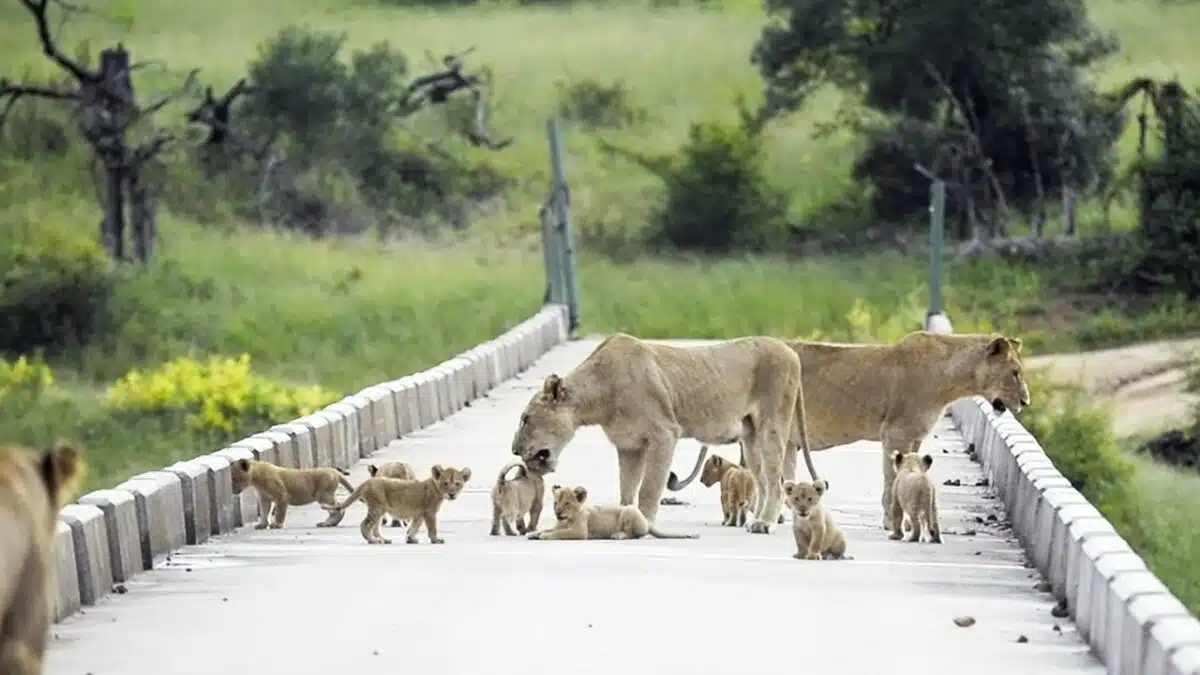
x=813, y=556
x=535, y=535
x=759, y=527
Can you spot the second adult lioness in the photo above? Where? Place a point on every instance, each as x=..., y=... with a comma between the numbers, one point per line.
x=896, y=393
x=647, y=396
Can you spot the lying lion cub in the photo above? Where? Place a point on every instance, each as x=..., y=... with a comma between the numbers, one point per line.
x=513, y=498
x=418, y=501
x=33, y=488
x=577, y=521
x=393, y=470
x=817, y=535
x=739, y=489
x=914, y=496
x=280, y=487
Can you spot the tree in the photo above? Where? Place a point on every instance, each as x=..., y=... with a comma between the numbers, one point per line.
x=990, y=97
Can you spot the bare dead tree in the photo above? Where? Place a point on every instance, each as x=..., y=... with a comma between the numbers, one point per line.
x=216, y=112
x=436, y=88
x=107, y=114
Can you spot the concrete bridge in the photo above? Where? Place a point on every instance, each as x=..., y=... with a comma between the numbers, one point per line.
x=159, y=576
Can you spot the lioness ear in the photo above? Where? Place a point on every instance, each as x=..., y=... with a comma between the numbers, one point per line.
x=581, y=493
x=244, y=464
x=436, y=471
x=998, y=347
x=372, y=469
x=62, y=469
x=466, y=474
x=897, y=457
x=1015, y=343
x=821, y=486
x=927, y=461
x=553, y=388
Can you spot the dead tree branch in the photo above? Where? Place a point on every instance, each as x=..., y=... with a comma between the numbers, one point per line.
x=436, y=88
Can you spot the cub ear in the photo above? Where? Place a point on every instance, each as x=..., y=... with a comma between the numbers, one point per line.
x=466, y=474
x=789, y=487
x=244, y=464
x=553, y=389
x=998, y=347
x=897, y=458
x=717, y=460
x=372, y=470
x=927, y=461
x=436, y=470
x=821, y=485
x=580, y=493
x=555, y=488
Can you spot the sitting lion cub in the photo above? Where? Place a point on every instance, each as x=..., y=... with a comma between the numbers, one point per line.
x=393, y=470
x=914, y=496
x=416, y=500
x=817, y=535
x=739, y=489
x=513, y=498
x=577, y=521
x=280, y=487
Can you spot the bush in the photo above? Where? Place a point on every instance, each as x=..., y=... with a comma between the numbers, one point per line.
x=221, y=395
x=591, y=103
x=24, y=377
x=718, y=193
x=55, y=286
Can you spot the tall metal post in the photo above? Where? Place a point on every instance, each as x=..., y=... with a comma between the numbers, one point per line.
x=560, y=204
x=935, y=320
x=555, y=293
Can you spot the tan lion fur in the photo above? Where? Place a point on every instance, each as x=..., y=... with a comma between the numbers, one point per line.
x=576, y=520
x=33, y=489
x=739, y=490
x=417, y=501
x=393, y=470
x=896, y=393
x=647, y=396
x=512, y=498
x=280, y=487
x=914, y=496
x=816, y=532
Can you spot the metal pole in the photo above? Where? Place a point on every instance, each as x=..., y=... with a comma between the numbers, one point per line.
x=937, y=223
x=561, y=205
x=554, y=280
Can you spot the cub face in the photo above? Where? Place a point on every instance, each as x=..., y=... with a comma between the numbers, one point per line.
x=911, y=461
x=803, y=497
x=449, y=480
x=239, y=473
x=568, y=501
x=714, y=466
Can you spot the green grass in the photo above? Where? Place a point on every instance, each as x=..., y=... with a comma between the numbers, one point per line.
x=1169, y=500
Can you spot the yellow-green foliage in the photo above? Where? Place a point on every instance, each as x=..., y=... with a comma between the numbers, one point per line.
x=221, y=394
x=24, y=376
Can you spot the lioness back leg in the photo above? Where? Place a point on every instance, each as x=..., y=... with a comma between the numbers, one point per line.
x=16, y=658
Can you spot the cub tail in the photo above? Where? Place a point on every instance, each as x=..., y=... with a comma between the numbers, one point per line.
x=355, y=494
x=502, y=478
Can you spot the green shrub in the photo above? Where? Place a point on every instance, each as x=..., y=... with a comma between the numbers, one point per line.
x=719, y=195
x=591, y=103
x=55, y=286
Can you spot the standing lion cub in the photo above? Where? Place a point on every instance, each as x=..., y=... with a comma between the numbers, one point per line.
x=515, y=497
x=279, y=487
x=914, y=496
x=739, y=488
x=393, y=470
x=577, y=521
x=817, y=534
x=416, y=500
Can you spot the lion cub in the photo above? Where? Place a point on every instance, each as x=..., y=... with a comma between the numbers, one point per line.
x=577, y=521
x=280, y=487
x=393, y=470
x=416, y=500
x=513, y=498
x=817, y=535
x=914, y=496
x=739, y=488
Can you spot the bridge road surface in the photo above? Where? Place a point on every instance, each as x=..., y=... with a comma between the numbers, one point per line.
x=303, y=601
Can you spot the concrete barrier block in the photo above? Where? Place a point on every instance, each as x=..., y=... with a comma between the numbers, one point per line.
x=288, y=454
x=93, y=560
x=197, y=500
x=1169, y=636
x=404, y=401
x=445, y=395
x=427, y=398
x=1146, y=611
x=349, y=415
x=476, y=372
x=119, y=511
x=325, y=443
x=66, y=600
x=383, y=415
x=307, y=448
x=513, y=346
x=337, y=436
x=1058, y=499
x=158, y=497
x=1126, y=630
x=366, y=426
x=464, y=382
x=264, y=449
x=1186, y=661
x=1080, y=531
x=220, y=494
x=245, y=504
x=1099, y=576
x=495, y=363
x=281, y=443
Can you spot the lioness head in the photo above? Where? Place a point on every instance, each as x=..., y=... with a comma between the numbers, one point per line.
x=450, y=481
x=999, y=377
x=547, y=425
x=804, y=496
x=714, y=468
x=911, y=461
x=239, y=474
x=568, y=501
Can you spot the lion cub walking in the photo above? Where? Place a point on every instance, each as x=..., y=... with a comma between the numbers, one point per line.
x=416, y=500
x=393, y=470
x=817, y=534
x=739, y=488
x=513, y=498
x=577, y=521
x=279, y=487
x=914, y=496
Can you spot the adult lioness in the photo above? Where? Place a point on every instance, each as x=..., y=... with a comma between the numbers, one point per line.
x=646, y=397
x=896, y=393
